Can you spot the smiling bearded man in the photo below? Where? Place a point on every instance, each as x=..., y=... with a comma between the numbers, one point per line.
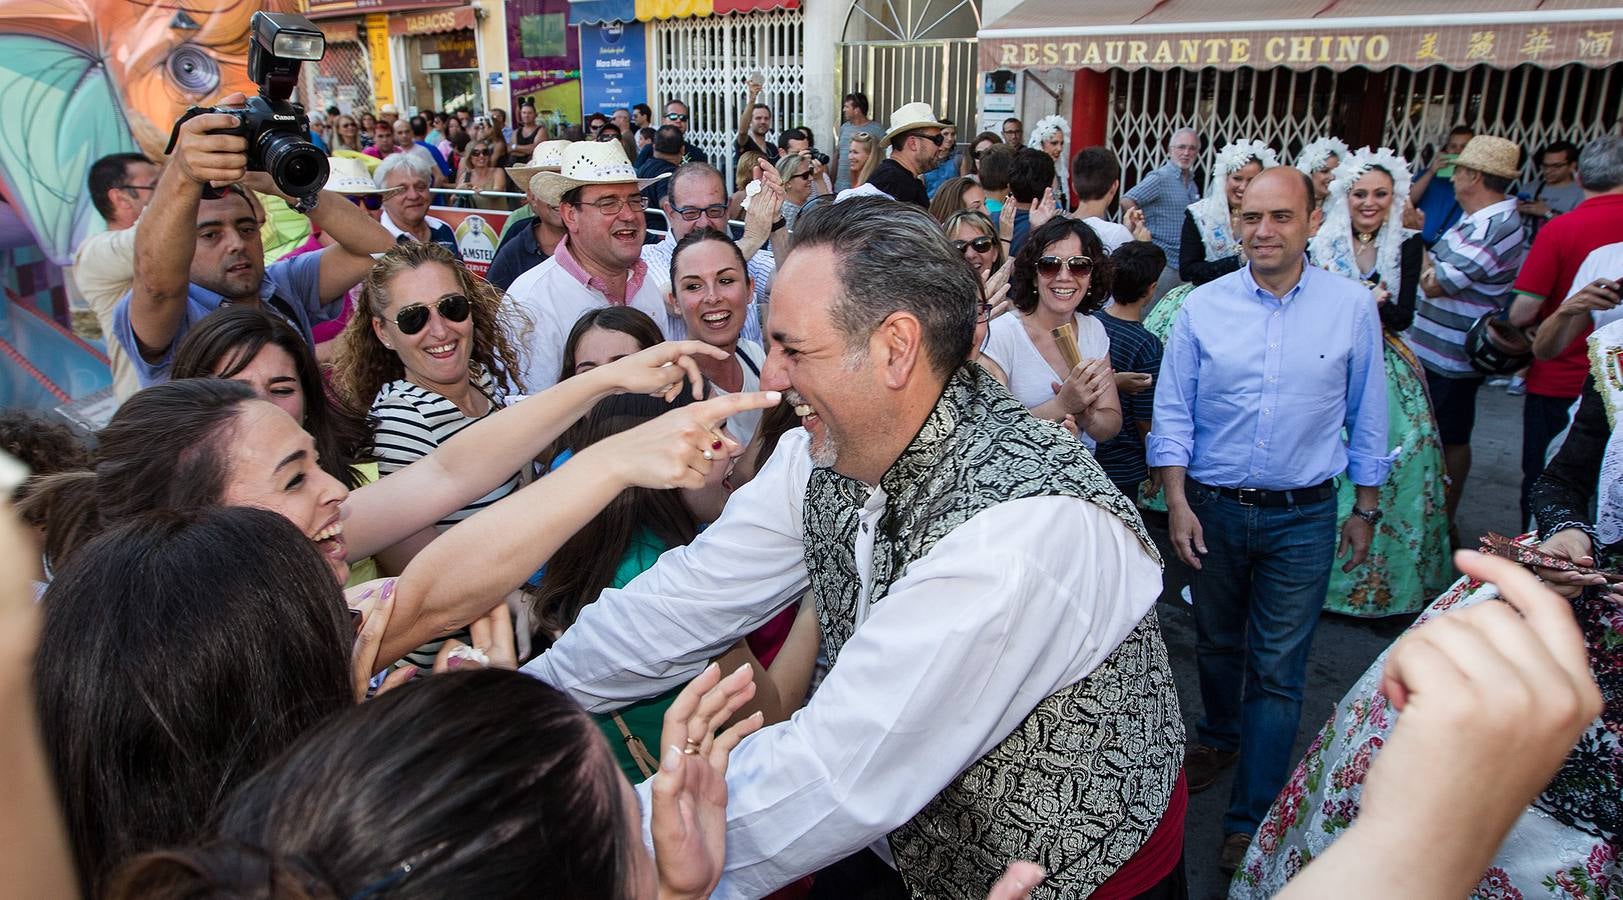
x=999, y=687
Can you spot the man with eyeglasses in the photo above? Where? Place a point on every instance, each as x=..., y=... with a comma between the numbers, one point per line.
x=405, y=212
x=697, y=198
x=195, y=253
x=121, y=186
x=1558, y=190
x=915, y=143
x=598, y=264
x=676, y=114
x=1163, y=195
x=1014, y=132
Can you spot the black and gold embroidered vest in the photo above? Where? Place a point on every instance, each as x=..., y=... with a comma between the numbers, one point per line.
x=1082, y=782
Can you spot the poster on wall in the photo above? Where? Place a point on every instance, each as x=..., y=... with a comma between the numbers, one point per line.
x=476, y=233
x=613, y=66
x=543, y=59
x=1000, y=95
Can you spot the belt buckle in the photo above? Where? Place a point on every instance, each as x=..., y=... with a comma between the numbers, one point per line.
x=1250, y=496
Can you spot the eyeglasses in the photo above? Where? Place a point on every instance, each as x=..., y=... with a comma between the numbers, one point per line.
x=604, y=137
x=372, y=202
x=140, y=187
x=806, y=175
x=611, y=206
x=676, y=117
x=935, y=139
x=414, y=318
x=982, y=244
x=983, y=312
x=692, y=213
x=1048, y=266
x=479, y=151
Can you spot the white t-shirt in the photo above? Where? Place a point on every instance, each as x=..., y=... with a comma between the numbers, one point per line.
x=750, y=358
x=1031, y=379
x=1602, y=262
x=1111, y=234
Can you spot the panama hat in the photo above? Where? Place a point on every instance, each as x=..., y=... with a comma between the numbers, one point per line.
x=349, y=176
x=911, y=117
x=548, y=157
x=1492, y=155
x=586, y=163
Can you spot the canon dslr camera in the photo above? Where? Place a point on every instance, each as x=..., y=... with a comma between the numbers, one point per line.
x=277, y=130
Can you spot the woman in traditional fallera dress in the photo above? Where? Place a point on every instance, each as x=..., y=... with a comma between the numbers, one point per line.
x=1363, y=238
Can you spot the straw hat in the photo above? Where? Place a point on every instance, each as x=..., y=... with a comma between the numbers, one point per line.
x=586, y=163
x=911, y=117
x=1492, y=155
x=349, y=176
x=548, y=157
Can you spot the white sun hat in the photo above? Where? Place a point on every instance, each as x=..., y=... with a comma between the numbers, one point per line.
x=911, y=117
x=586, y=163
x=548, y=157
x=348, y=176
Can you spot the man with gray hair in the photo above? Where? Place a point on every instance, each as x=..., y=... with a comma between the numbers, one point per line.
x=1163, y=195
x=999, y=689
x=1556, y=377
x=405, y=211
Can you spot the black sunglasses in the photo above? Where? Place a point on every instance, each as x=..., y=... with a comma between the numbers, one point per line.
x=676, y=117
x=982, y=244
x=1048, y=266
x=414, y=318
x=935, y=139
x=372, y=202
x=479, y=151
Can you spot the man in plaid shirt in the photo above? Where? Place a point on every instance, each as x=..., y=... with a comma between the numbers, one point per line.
x=1471, y=270
x=1163, y=195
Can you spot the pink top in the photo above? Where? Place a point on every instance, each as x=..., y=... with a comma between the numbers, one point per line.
x=634, y=279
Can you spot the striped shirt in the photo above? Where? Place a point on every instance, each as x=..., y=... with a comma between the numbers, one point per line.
x=412, y=422
x=1132, y=349
x=1476, y=262
x=1164, y=194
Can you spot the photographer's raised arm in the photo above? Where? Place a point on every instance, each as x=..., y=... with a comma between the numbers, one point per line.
x=167, y=240
x=355, y=237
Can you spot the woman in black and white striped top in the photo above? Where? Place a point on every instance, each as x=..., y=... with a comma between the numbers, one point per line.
x=431, y=350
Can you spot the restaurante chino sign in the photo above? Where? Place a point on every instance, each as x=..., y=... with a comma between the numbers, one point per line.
x=1457, y=47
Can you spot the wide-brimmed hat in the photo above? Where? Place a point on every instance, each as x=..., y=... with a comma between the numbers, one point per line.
x=1492, y=155
x=348, y=176
x=911, y=117
x=548, y=157
x=586, y=163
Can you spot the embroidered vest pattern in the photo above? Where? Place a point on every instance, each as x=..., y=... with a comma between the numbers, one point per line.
x=1082, y=782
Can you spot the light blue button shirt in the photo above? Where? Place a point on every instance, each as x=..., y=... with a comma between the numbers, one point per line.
x=1255, y=391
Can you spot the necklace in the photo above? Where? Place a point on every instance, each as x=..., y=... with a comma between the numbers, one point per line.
x=1365, y=238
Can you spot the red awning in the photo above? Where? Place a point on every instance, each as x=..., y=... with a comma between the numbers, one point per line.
x=1339, y=34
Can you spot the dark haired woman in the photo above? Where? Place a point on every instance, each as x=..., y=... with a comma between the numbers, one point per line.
x=712, y=288
x=1061, y=274
x=603, y=335
x=624, y=540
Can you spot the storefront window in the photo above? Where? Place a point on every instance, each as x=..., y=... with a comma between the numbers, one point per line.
x=444, y=71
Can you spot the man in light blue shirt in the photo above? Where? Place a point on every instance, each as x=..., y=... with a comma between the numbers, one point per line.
x=1263, y=370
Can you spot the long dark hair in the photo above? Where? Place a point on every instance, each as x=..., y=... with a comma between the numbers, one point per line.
x=476, y=784
x=624, y=319
x=181, y=652
x=586, y=563
x=229, y=339
x=1023, y=280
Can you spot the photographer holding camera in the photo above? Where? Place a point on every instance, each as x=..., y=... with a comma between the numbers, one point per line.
x=193, y=254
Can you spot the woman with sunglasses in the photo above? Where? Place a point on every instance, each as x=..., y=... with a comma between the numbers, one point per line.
x=1061, y=275
x=957, y=193
x=983, y=142
x=430, y=351
x=484, y=130
x=802, y=183
x=346, y=135
x=479, y=173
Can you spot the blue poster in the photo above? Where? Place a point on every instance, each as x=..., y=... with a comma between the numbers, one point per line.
x=613, y=66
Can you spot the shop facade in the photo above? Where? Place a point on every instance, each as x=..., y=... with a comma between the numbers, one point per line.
x=1129, y=75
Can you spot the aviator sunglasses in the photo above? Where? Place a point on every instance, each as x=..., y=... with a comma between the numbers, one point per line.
x=414, y=318
x=1048, y=266
x=982, y=244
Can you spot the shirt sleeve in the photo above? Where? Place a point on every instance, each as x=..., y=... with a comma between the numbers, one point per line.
x=964, y=651
x=104, y=267
x=1541, y=267
x=668, y=623
x=298, y=280
x=1146, y=191
x=1368, y=453
x=403, y=435
x=147, y=371
x=1171, y=441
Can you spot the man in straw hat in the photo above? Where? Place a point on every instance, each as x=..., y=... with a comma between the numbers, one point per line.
x=915, y=141
x=1469, y=273
x=599, y=263
x=539, y=226
x=194, y=253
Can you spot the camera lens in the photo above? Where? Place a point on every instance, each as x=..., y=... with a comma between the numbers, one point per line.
x=297, y=167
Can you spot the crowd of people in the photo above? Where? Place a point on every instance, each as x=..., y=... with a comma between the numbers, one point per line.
x=801, y=550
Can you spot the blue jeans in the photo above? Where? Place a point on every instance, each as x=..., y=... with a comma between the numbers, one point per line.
x=1257, y=599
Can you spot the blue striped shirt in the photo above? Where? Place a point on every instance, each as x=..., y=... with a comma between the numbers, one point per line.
x=1476, y=263
x=1132, y=349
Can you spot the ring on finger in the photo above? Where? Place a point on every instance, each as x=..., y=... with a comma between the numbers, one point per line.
x=709, y=455
x=690, y=747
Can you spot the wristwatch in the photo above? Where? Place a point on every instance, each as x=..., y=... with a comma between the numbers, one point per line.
x=782, y=222
x=1372, y=516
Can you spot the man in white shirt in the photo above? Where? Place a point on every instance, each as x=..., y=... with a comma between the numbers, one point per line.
x=998, y=687
x=599, y=263
x=121, y=186
x=1096, y=177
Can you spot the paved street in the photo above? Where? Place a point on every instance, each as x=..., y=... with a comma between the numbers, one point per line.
x=1343, y=646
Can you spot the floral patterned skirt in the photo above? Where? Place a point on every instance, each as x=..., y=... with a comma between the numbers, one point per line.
x=1543, y=856
x=1159, y=323
x=1408, y=556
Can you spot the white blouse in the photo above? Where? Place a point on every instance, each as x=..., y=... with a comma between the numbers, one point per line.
x=1031, y=379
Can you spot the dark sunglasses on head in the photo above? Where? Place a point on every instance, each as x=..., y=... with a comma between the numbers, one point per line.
x=676, y=117
x=370, y=201
x=414, y=318
x=1048, y=266
x=982, y=244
